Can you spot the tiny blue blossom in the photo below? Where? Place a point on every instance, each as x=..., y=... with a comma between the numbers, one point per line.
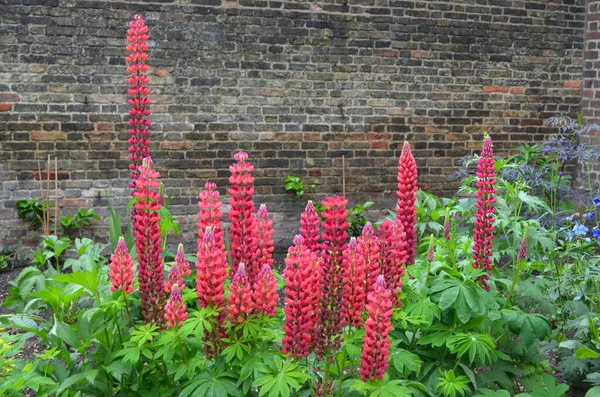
x=579, y=230
x=597, y=202
x=587, y=240
x=596, y=232
x=591, y=215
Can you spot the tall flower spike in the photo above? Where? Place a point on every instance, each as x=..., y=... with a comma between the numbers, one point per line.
x=175, y=311
x=431, y=249
x=484, y=216
x=332, y=305
x=302, y=292
x=121, y=269
x=148, y=243
x=262, y=244
x=242, y=207
x=309, y=227
x=211, y=273
x=175, y=279
x=522, y=255
x=376, y=343
x=137, y=47
x=240, y=297
x=182, y=263
x=354, y=284
x=210, y=214
x=264, y=292
x=393, y=254
x=447, y=226
x=368, y=249
x=407, y=196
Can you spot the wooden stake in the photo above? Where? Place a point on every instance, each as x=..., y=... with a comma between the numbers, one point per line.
x=42, y=195
x=344, y=176
x=55, y=195
x=47, y=229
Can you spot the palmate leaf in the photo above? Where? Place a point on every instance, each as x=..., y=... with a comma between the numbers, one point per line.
x=501, y=374
x=384, y=387
x=214, y=382
x=593, y=392
x=451, y=385
x=406, y=362
x=480, y=347
x=282, y=376
x=549, y=388
x=528, y=326
x=492, y=393
x=464, y=295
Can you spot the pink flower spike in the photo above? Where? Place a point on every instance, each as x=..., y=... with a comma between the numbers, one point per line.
x=175, y=311
x=121, y=269
x=240, y=303
x=182, y=263
x=261, y=245
x=309, y=227
x=175, y=279
x=407, y=197
x=354, y=284
x=264, y=292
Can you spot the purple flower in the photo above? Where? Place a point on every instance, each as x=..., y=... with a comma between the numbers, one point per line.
x=591, y=215
x=596, y=232
x=578, y=230
x=597, y=202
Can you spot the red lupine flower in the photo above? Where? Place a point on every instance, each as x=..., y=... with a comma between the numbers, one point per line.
x=139, y=144
x=523, y=248
x=447, y=226
x=239, y=301
x=148, y=242
x=407, y=196
x=354, y=284
x=182, y=263
x=121, y=268
x=264, y=292
x=431, y=249
x=211, y=273
x=376, y=343
x=209, y=214
x=332, y=304
x=302, y=294
x=309, y=227
x=242, y=207
x=393, y=255
x=175, y=279
x=262, y=244
x=175, y=311
x=484, y=216
x=368, y=248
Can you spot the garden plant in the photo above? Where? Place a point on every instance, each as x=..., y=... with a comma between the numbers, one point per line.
x=494, y=292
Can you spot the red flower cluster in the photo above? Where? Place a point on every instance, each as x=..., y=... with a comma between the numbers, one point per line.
x=484, y=216
x=354, y=284
x=139, y=144
x=240, y=297
x=261, y=243
x=242, y=207
x=376, y=344
x=182, y=263
x=175, y=279
x=332, y=304
x=209, y=214
x=264, y=292
x=368, y=249
x=309, y=227
x=393, y=255
x=302, y=292
x=148, y=243
x=121, y=269
x=407, y=196
x=175, y=311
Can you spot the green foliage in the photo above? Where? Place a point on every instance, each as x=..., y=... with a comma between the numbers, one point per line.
x=295, y=184
x=32, y=211
x=83, y=217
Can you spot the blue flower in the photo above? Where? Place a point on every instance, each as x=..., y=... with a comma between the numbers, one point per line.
x=596, y=232
x=591, y=215
x=579, y=230
x=597, y=202
x=587, y=240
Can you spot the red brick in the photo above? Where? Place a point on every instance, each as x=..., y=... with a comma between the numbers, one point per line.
x=106, y=126
x=495, y=88
x=9, y=97
x=380, y=145
x=161, y=72
x=527, y=122
x=314, y=172
x=48, y=135
x=516, y=90
x=5, y=107
x=440, y=96
x=270, y=92
x=62, y=175
x=573, y=84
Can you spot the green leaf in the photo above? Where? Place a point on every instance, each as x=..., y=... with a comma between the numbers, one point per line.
x=67, y=334
x=584, y=353
x=448, y=297
x=593, y=392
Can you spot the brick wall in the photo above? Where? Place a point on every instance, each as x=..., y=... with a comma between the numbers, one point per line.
x=297, y=84
x=591, y=82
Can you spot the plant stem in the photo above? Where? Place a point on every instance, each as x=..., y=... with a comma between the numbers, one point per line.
x=127, y=309
x=182, y=350
x=512, y=288
x=341, y=366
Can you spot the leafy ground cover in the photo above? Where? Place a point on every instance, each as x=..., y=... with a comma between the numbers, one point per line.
x=494, y=292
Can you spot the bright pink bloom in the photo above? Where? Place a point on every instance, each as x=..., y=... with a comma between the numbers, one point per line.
x=262, y=244
x=302, y=294
x=239, y=301
x=376, y=343
x=175, y=311
x=264, y=292
x=242, y=207
x=368, y=248
x=175, y=279
x=121, y=269
x=309, y=227
x=407, y=197
x=332, y=306
x=148, y=242
x=354, y=284
x=484, y=216
x=211, y=273
x=393, y=255
x=209, y=214
x=182, y=263
x=139, y=144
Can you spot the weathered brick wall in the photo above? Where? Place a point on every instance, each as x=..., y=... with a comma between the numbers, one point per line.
x=591, y=83
x=297, y=84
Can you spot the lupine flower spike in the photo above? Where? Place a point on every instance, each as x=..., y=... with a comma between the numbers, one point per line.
x=431, y=249
x=264, y=292
x=393, y=254
x=302, y=292
x=522, y=255
x=175, y=279
x=139, y=144
x=182, y=263
x=262, y=244
x=484, y=216
x=407, y=196
x=376, y=343
x=175, y=311
x=242, y=207
x=210, y=214
x=368, y=249
x=447, y=226
x=240, y=297
x=309, y=227
x=148, y=243
x=121, y=269
x=354, y=284
x=332, y=305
